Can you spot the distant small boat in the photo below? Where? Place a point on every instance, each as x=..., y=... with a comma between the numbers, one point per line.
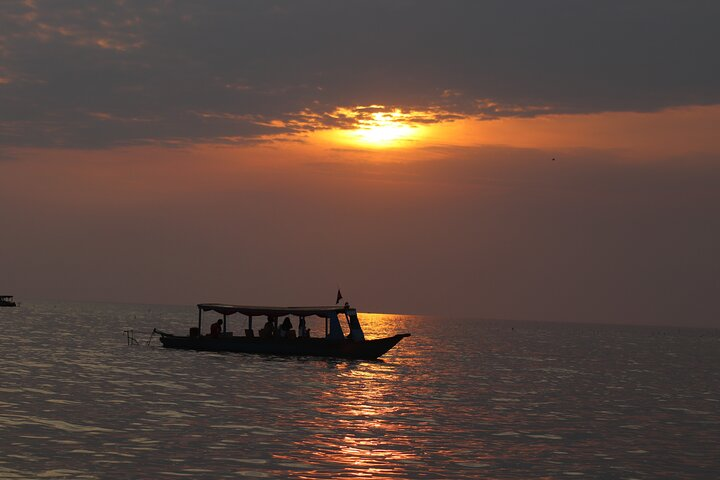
x=7, y=301
x=275, y=340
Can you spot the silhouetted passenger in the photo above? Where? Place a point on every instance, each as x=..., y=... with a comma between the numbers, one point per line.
x=268, y=330
x=285, y=328
x=216, y=328
x=303, y=331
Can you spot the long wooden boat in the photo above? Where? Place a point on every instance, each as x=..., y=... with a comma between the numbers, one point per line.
x=271, y=340
x=7, y=301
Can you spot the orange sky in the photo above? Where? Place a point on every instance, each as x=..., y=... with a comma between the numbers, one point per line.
x=670, y=132
x=160, y=172
x=467, y=210
x=550, y=162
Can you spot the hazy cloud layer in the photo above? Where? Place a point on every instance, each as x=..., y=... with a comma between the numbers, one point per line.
x=88, y=74
x=485, y=232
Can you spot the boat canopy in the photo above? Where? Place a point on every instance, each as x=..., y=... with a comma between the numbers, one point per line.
x=325, y=312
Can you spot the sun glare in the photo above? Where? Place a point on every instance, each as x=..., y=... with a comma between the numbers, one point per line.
x=383, y=134
x=376, y=127
x=384, y=129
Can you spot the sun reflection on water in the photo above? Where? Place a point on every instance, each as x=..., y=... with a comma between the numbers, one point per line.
x=358, y=427
x=362, y=403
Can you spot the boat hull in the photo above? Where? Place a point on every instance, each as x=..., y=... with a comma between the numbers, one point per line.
x=319, y=347
x=7, y=304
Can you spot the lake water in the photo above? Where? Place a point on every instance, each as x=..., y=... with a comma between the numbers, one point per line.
x=458, y=399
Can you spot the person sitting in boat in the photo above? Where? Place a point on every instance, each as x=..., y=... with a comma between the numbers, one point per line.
x=216, y=328
x=286, y=328
x=303, y=331
x=268, y=329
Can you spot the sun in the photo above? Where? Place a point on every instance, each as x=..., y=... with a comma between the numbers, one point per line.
x=375, y=126
x=384, y=130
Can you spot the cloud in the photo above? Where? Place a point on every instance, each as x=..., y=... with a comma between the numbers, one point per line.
x=87, y=74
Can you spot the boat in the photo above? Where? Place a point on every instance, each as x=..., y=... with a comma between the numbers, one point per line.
x=276, y=341
x=7, y=301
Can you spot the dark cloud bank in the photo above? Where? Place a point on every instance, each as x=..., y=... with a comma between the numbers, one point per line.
x=93, y=74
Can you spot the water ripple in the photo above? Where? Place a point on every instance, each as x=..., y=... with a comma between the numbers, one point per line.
x=459, y=399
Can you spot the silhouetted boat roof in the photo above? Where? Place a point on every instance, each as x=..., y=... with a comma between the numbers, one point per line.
x=320, y=311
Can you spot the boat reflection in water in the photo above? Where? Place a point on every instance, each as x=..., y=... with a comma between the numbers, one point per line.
x=284, y=340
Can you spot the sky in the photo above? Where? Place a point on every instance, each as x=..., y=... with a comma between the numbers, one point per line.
x=554, y=160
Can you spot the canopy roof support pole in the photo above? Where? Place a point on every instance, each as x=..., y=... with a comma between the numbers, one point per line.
x=326, y=326
x=250, y=322
x=224, y=323
x=199, y=321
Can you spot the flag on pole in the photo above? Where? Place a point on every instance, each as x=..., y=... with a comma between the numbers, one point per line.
x=339, y=297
